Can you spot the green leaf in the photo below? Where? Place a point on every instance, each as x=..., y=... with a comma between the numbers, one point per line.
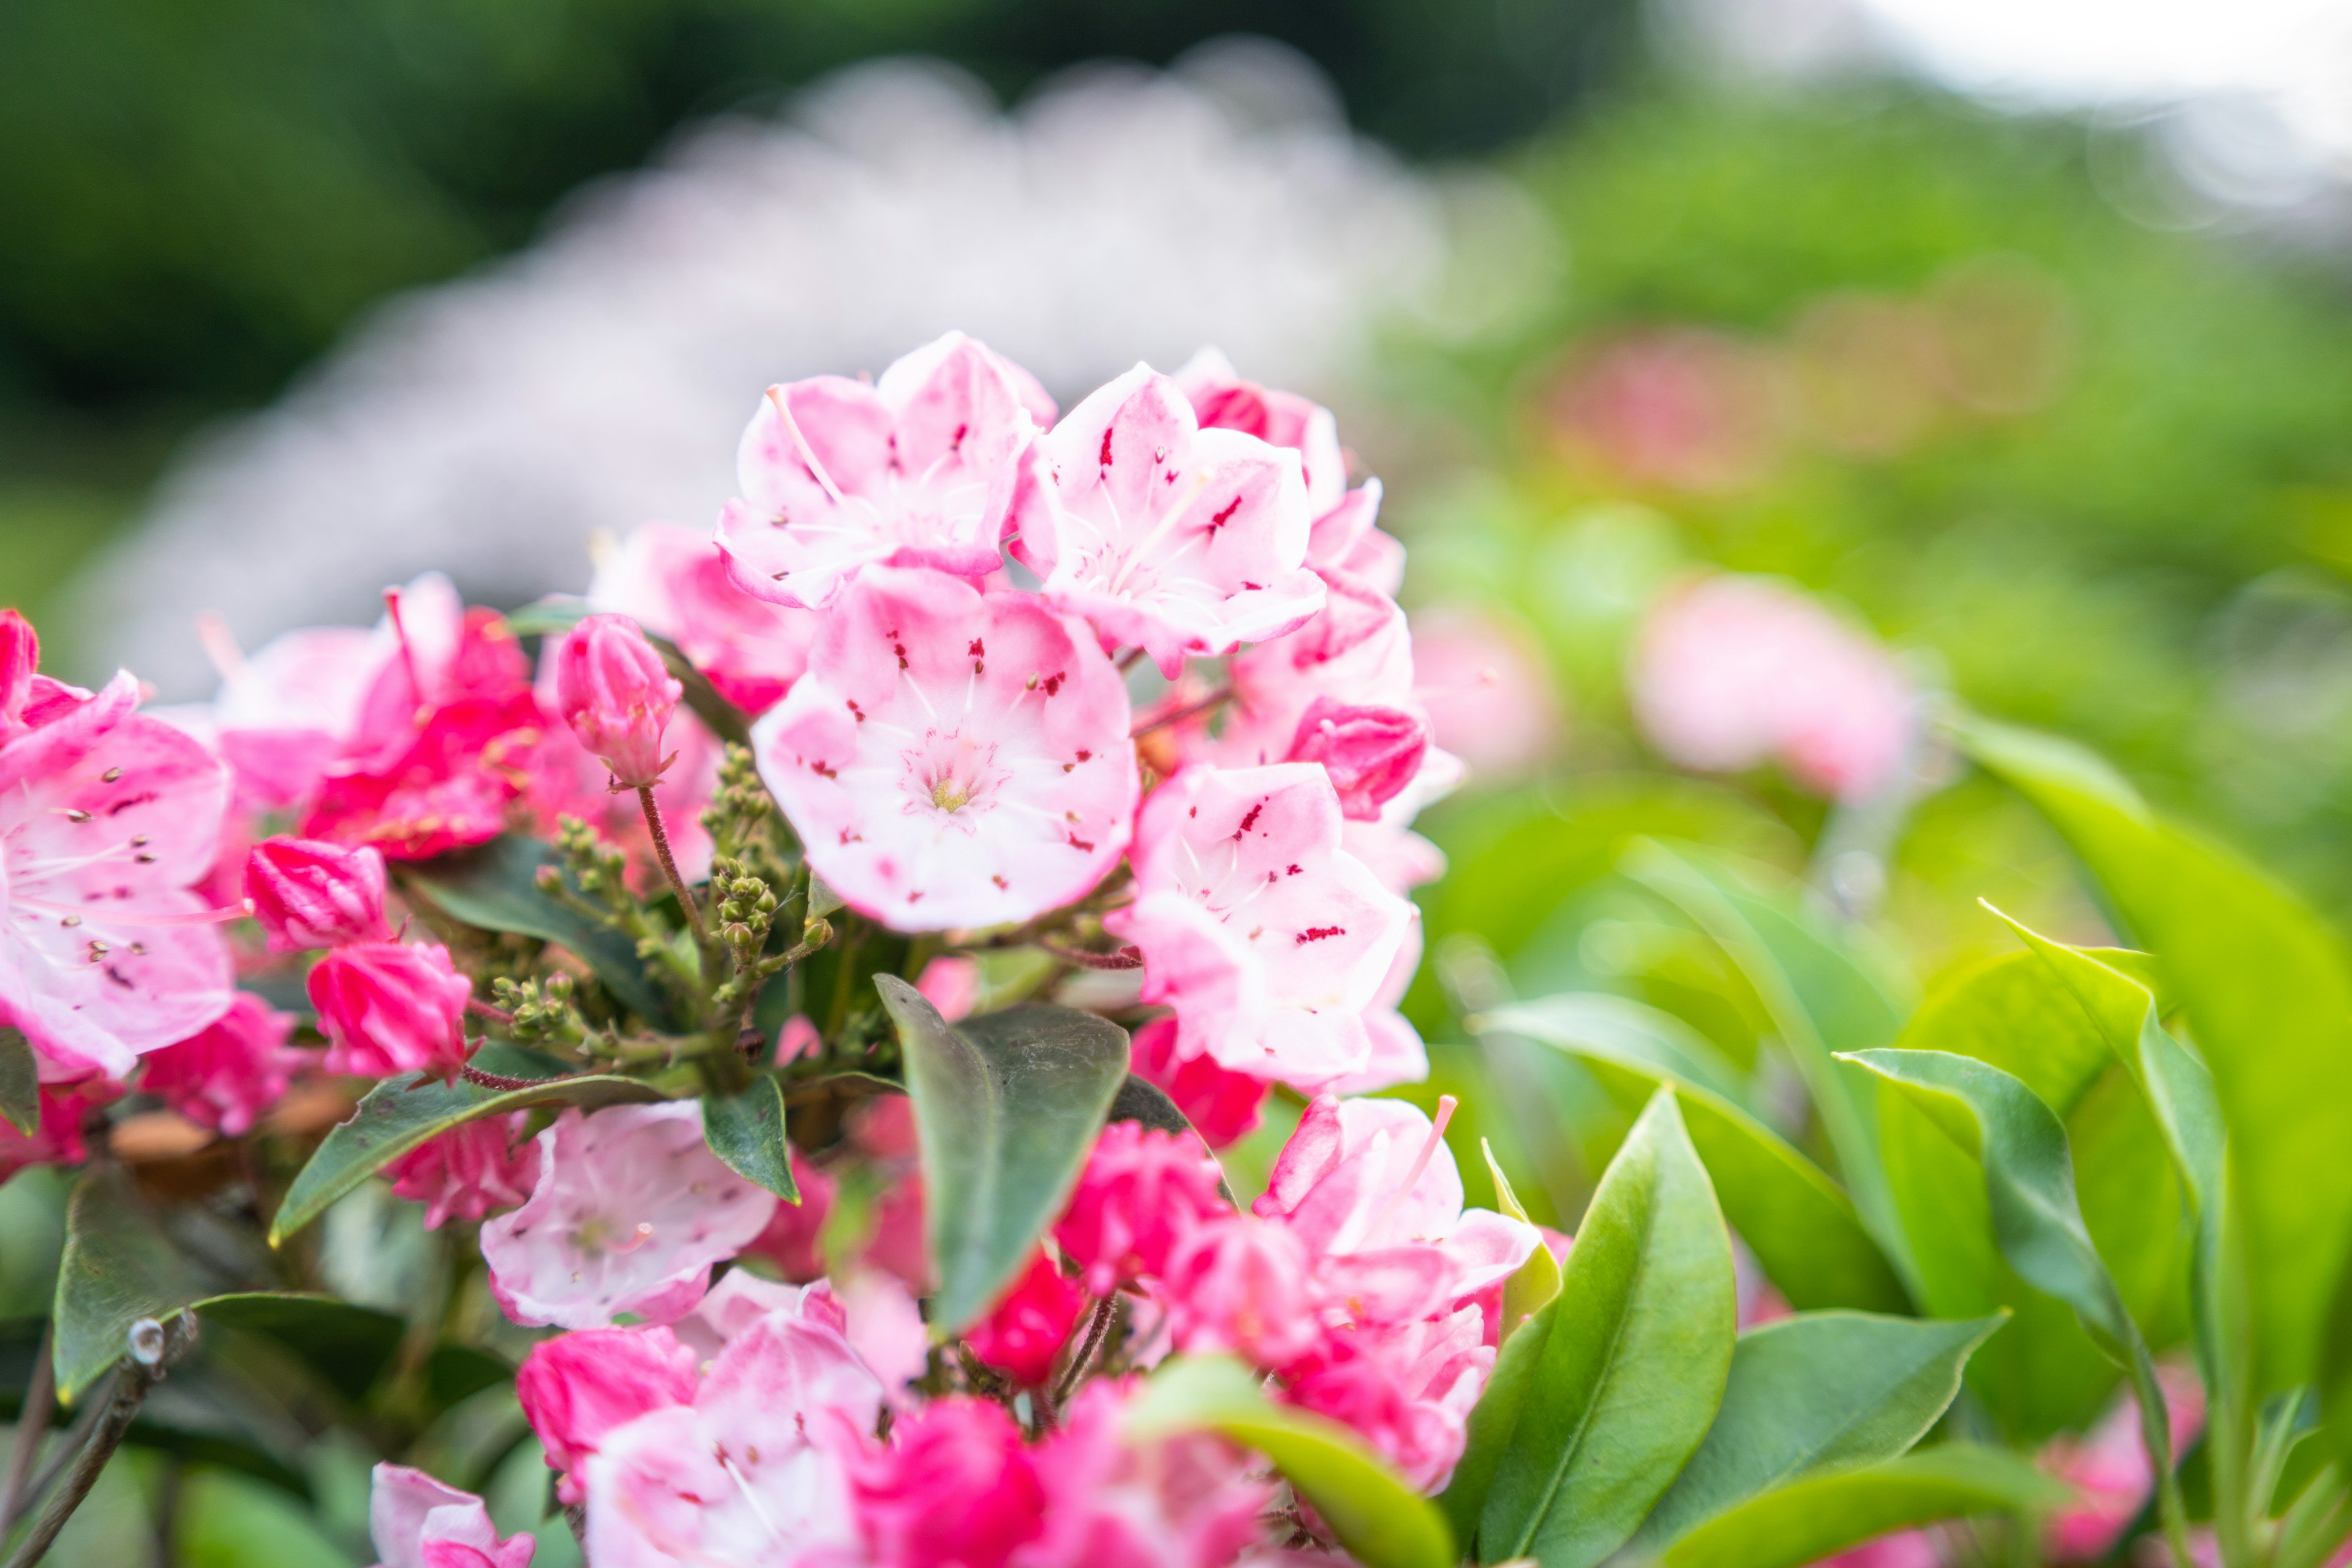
x=1005, y=1112
x=1819, y=1391
x=1619, y=1029
x=20, y=1081
x=1381, y=1520
x=119, y=1266
x=402, y=1112
x=1632, y=1363
x=1535, y=1283
x=1141, y=1100
x=1799, y=1224
x=2000, y=1010
x=1824, y=999
x=495, y=885
x=746, y=1132
x=2267, y=988
x=1817, y=1516
x=348, y=1346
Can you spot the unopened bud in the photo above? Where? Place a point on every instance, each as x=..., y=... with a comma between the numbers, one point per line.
x=308, y=894
x=614, y=690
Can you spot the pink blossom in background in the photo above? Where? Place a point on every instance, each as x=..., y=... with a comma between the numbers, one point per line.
x=951, y=983
x=1266, y=938
x=1193, y=1501
x=1485, y=685
x=1683, y=408
x=955, y=1488
x=2108, y=1467
x=1142, y=1191
x=631, y=1211
x=886, y=1328
x=790, y=1240
x=1024, y=1332
x=883, y=1127
x=577, y=1387
x=109, y=818
x=1223, y=1106
x=674, y=582
x=390, y=1008
x=1730, y=672
x=470, y=1171
x=952, y=758
x=288, y=711
x=309, y=894
x=1166, y=536
x=1903, y=1549
x=616, y=695
x=417, y=1522
x=916, y=470
x=230, y=1071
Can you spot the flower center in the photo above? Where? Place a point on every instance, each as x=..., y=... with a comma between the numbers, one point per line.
x=950, y=777
x=950, y=796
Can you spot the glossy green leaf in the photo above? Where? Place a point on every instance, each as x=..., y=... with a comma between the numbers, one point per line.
x=1799, y=1223
x=495, y=885
x=1817, y=1516
x=1825, y=997
x=348, y=1346
x=1631, y=1362
x=1005, y=1111
x=119, y=1266
x=746, y=1132
x=402, y=1112
x=1381, y=1521
x=2266, y=986
x=20, y=1081
x=1535, y=1283
x=1815, y=1391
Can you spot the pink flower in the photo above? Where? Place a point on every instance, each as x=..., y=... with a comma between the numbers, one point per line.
x=56, y=1138
x=1407, y=1389
x=1903, y=1549
x=886, y=1327
x=287, y=712
x=20, y=655
x=578, y=1387
x=1221, y=1106
x=1177, y=539
x=898, y=1244
x=1356, y=651
x=1187, y=1502
x=914, y=470
x=1268, y=939
x=1484, y=683
x=1247, y=1287
x=391, y=1008
x=1143, y=1192
x=109, y=818
x=630, y=1212
x=1731, y=672
x=950, y=758
x=614, y=690
x=790, y=1240
x=309, y=894
x=675, y=583
x=469, y=1171
x=417, y=1522
x=951, y=983
x=754, y=1472
x=1023, y=1332
x=230, y=1071
x=1371, y=753
x=954, y=1488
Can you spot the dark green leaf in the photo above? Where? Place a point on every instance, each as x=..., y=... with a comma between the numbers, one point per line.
x=1820, y=1391
x=1799, y=1224
x=2267, y=988
x=119, y=1266
x=1381, y=1521
x=1817, y=1516
x=402, y=1112
x=1633, y=1364
x=348, y=1346
x=746, y=1130
x=495, y=885
x=20, y=1081
x=454, y=1371
x=1005, y=1112
x=1141, y=1100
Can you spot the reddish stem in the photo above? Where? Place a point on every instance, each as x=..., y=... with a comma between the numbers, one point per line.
x=669, y=867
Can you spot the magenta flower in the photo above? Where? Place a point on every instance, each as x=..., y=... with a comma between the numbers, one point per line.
x=955, y=1488
x=388, y=1007
x=56, y=1138
x=1246, y=1287
x=1174, y=538
x=675, y=583
x=1026, y=1330
x=576, y=1388
x=1405, y=1388
x=469, y=1171
x=1268, y=938
x=614, y=693
x=952, y=758
x=631, y=1211
x=1143, y=1192
x=109, y=818
x=227, y=1073
x=20, y=657
x=287, y=711
x=1223, y=1106
x=417, y=1522
x=1194, y=1502
x=308, y=894
x=915, y=470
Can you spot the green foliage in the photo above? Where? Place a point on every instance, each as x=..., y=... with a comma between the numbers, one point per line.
x=1006, y=1108
x=1817, y=1516
x=498, y=887
x=747, y=1132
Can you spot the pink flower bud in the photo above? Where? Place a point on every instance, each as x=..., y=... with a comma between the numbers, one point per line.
x=391, y=1009
x=1371, y=752
x=468, y=1171
x=577, y=1387
x=20, y=654
x=613, y=689
x=307, y=893
x=1028, y=1329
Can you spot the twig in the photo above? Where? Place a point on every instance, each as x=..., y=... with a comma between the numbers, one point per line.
x=1129, y=659
x=67, y=1446
x=1098, y=1329
x=1125, y=958
x=482, y=1009
x=474, y=1074
x=669, y=867
x=152, y=1350
x=31, y=1419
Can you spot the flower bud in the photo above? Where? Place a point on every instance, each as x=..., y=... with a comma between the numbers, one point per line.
x=613, y=692
x=20, y=654
x=1371, y=752
x=307, y=893
x=391, y=1009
